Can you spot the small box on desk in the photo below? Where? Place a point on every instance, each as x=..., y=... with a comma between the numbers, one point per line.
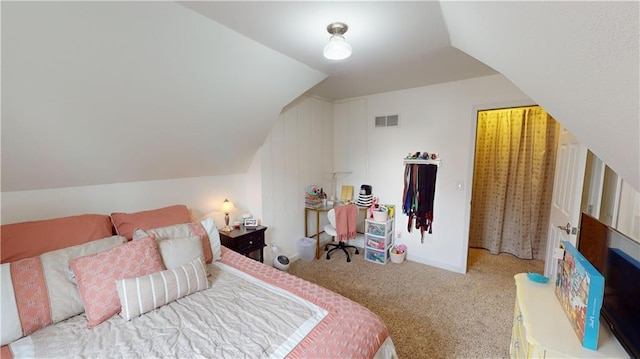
x=580, y=288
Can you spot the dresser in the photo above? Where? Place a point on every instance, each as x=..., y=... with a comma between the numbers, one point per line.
x=542, y=330
x=249, y=242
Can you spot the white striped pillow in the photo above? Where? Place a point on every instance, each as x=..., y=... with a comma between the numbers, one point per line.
x=143, y=294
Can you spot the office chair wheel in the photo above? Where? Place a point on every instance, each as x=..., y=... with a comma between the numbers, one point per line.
x=328, y=256
x=348, y=259
x=326, y=248
x=357, y=251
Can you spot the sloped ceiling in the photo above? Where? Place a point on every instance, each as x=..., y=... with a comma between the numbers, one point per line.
x=106, y=92
x=577, y=59
x=396, y=44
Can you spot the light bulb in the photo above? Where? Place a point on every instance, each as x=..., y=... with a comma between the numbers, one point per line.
x=337, y=48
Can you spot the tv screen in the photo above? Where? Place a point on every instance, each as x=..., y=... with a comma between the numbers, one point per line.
x=617, y=258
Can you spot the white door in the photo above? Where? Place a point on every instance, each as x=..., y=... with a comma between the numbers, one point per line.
x=567, y=197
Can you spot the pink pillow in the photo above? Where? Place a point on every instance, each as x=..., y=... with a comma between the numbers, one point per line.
x=126, y=223
x=36, y=291
x=30, y=239
x=96, y=275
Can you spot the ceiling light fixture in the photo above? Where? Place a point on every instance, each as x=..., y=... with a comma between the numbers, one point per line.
x=337, y=48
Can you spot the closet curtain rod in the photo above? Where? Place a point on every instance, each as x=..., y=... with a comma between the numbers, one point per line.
x=507, y=108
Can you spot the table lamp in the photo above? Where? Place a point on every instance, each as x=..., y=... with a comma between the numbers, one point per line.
x=226, y=207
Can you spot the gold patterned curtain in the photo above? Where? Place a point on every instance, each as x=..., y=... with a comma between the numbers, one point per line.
x=513, y=181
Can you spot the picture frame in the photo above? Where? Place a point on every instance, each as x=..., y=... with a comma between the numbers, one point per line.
x=250, y=223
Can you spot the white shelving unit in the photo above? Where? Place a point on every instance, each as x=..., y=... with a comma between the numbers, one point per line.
x=378, y=239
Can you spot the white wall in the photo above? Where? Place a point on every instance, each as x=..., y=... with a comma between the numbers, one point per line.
x=202, y=194
x=254, y=187
x=439, y=118
x=298, y=152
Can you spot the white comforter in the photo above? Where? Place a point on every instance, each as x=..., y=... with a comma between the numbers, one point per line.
x=238, y=316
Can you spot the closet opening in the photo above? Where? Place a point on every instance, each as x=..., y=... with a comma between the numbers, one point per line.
x=513, y=176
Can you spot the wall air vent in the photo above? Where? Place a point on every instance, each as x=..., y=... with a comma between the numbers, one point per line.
x=387, y=121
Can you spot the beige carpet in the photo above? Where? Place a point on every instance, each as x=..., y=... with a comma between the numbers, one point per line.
x=430, y=312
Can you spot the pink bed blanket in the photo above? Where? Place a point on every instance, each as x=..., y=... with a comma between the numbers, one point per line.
x=348, y=331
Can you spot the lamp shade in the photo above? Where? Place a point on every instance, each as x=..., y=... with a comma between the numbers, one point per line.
x=227, y=206
x=337, y=48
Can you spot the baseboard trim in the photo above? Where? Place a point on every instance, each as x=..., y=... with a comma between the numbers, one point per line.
x=437, y=264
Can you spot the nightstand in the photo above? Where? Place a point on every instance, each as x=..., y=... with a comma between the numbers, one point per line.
x=245, y=241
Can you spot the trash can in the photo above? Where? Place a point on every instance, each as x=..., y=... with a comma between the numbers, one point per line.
x=307, y=249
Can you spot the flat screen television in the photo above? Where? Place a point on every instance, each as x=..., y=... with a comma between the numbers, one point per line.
x=617, y=258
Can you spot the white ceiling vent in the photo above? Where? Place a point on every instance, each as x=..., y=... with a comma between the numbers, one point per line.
x=388, y=121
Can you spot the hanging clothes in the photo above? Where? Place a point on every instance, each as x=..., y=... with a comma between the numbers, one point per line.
x=418, y=196
x=408, y=194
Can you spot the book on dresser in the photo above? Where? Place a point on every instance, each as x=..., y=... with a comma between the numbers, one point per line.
x=580, y=288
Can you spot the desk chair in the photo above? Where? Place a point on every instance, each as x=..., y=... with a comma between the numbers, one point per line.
x=330, y=229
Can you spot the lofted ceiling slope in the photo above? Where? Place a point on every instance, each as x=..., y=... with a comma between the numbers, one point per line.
x=108, y=92
x=577, y=59
x=396, y=44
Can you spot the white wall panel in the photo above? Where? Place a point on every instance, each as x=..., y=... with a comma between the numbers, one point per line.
x=350, y=144
x=254, y=186
x=202, y=194
x=340, y=141
x=629, y=211
x=297, y=153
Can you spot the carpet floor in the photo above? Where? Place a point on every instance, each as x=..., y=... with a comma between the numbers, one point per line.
x=430, y=312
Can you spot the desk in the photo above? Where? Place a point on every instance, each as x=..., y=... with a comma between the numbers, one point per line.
x=318, y=211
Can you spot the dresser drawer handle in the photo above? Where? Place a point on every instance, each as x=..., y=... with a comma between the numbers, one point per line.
x=250, y=242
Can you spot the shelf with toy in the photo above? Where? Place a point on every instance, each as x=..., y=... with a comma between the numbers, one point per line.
x=422, y=158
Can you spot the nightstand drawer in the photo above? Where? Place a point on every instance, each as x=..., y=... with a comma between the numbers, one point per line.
x=250, y=240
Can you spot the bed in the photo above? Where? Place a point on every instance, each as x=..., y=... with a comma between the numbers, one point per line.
x=214, y=303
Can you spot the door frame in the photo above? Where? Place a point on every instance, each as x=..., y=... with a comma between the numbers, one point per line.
x=470, y=170
x=472, y=156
